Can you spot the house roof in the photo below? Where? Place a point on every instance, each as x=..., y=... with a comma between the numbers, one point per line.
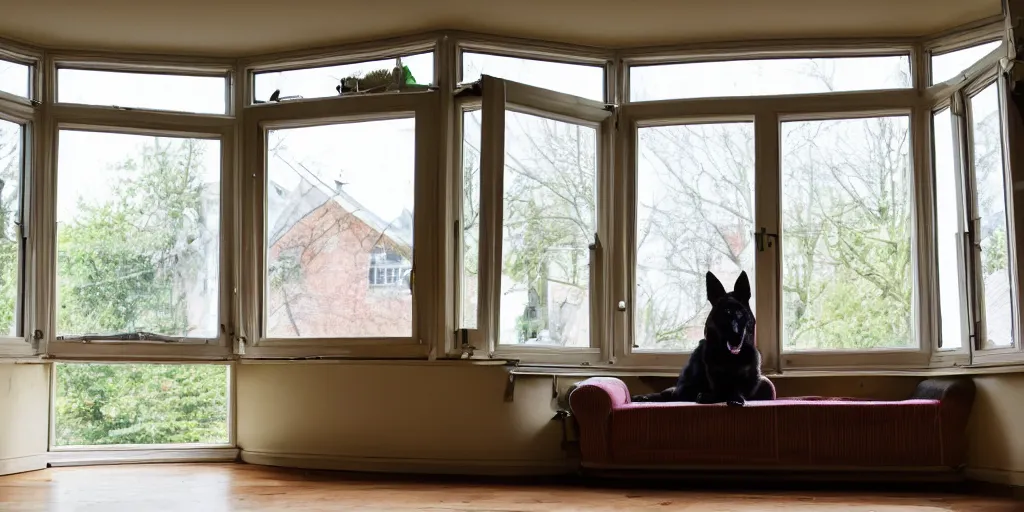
x=312, y=192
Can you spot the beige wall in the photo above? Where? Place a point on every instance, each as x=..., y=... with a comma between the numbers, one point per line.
x=457, y=416
x=24, y=414
x=997, y=429
x=449, y=414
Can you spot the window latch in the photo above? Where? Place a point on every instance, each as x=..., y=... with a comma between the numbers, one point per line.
x=764, y=239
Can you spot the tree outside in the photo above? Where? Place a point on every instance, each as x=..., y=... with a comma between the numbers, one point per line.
x=10, y=206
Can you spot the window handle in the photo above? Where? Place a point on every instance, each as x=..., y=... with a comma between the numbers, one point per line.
x=764, y=239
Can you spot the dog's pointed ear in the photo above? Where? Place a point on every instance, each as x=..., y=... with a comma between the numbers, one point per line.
x=741, y=290
x=715, y=289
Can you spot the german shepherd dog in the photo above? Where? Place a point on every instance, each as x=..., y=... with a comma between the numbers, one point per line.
x=726, y=366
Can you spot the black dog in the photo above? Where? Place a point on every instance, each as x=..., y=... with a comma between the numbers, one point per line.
x=726, y=366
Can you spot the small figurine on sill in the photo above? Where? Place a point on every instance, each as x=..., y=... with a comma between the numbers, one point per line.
x=381, y=80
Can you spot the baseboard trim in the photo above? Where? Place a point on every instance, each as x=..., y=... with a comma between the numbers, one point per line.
x=23, y=464
x=486, y=467
x=140, y=456
x=996, y=476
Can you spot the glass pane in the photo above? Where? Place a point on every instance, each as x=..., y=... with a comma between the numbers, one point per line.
x=322, y=82
x=548, y=225
x=767, y=77
x=181, y=93
x=695, y=213
x=575, y=79
x=847, y=277
x=948, y=234
x=471, y=125
x=138, y=234
x=948, y=65
x=340, y=230
x=105, y=404
x=989, y=176
x=11, y=138
x=14, y=78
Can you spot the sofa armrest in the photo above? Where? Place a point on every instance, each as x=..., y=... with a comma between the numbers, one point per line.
x=946, y=389
x=956, y=398
x=592, y=402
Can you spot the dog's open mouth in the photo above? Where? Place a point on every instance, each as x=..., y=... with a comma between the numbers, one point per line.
x=736, y=349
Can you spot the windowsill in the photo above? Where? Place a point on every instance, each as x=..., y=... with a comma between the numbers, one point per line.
x=135, y=454
x=576, y=370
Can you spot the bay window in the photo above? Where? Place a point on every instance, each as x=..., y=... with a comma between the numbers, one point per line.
x=457, y=196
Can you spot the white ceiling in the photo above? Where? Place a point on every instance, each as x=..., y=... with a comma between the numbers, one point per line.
x=234, y=28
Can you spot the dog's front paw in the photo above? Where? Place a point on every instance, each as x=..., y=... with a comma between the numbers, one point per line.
x=705, y=398
x=736, y=401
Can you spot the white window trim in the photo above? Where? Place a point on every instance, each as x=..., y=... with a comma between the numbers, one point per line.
x=499, y=95
x=76, y=455
x=425, y=312
x=980, y=354
x=150, y=122
x=767, y=113
x=155, y=64
x=336, y=56
x=26, y=112
x=29, y=56
x=736, y=52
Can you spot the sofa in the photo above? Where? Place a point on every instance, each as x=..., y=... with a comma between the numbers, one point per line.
x=925, y=433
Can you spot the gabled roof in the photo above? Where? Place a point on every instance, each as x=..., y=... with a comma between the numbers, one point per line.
x=312, y=192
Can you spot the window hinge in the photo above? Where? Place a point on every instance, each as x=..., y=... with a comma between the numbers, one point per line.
x=596, y=245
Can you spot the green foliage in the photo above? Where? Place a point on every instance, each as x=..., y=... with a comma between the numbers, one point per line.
x=100, y=404
x=994, y=252
x=125, y=262
x=10, y=197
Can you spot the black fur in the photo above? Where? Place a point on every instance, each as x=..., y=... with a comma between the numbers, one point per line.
x=718, y=372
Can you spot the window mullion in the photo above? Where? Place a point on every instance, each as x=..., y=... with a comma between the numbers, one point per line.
x=768, y=214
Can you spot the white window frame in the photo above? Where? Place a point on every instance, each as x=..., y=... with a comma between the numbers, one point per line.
x=27, y=112
x=955, y=94
x=73, y=455
x=337, y=56
x=980, y=354
x=767, y=113
x=258, y=119
x=27, y=117
x=60, y=116
x=499, y=95
x=983, y=31
x=473, y=343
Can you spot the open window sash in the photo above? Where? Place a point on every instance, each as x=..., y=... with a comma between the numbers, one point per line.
x=564, y=317
x=17, y=340
x=984, y=353
x=949, y=351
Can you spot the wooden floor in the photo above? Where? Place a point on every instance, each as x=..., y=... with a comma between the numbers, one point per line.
x=235, y=487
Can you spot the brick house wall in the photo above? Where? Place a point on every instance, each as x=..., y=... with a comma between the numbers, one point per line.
x=331, y=295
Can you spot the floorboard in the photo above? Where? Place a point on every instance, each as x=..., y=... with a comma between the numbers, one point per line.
x=240, y=487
